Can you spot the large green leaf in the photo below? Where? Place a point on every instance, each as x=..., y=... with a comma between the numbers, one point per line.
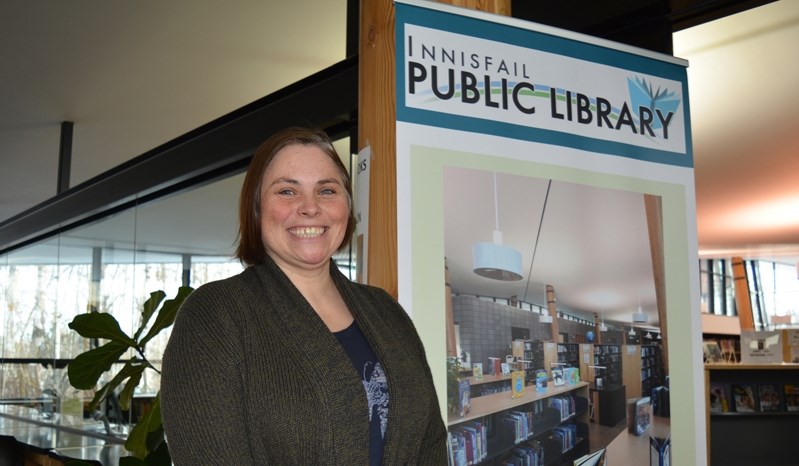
x=148, y=309
x=86, y=369
x=151, y=421
x=132, y=370
x=130, y=386
x=100, y=325
x=167, y=314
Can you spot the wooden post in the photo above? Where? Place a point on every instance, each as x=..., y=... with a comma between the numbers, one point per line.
x=597, y=330
x=654, y=222
x=743, y=301
x=377, y=128
x=553, y=312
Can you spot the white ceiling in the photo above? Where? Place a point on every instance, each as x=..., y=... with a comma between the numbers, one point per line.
x=133, y=75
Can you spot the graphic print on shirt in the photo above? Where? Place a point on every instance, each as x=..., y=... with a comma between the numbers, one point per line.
x=376, y=394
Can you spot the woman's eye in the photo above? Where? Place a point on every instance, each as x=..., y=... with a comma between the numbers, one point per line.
x=327, y=191
x=285, y=192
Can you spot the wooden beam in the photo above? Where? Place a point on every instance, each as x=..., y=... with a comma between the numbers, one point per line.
x=377, y=129
x=553, y=312
x=654, y=223
x=743, y=302
x=597, y=330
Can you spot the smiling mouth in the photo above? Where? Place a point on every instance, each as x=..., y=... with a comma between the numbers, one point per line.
x=307, y=232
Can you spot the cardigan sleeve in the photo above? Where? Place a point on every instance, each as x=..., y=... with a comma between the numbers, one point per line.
x=201, y=384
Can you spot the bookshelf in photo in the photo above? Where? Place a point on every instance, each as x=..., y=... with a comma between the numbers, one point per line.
x=549, y=426
x=533, y=352
x=609, y=356
x=642, y=369
x=569, y=354
x=752, y=413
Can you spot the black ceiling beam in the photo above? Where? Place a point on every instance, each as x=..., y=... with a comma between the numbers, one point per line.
x=648, y=24
x=325, y=100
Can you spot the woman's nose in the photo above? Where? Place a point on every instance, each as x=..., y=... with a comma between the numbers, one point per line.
x=309, y=206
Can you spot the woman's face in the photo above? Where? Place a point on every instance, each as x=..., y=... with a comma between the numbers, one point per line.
x=304, y=208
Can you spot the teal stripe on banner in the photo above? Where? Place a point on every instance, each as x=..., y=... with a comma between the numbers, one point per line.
x=525, y=133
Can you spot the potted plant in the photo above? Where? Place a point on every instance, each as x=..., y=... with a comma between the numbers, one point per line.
x=146, y=440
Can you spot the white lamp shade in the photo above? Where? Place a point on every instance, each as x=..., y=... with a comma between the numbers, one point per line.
x=497, y=262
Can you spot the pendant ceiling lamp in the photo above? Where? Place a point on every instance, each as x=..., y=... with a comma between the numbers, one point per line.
x=493, y=260
x=640, y=316
x=602, y=326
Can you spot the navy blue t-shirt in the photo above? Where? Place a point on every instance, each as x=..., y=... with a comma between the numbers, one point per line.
x=375, y=384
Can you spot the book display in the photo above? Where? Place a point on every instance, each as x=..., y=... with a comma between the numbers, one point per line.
x=769, y=397
x=536, y=428
x=744, y=398
x=792, y=397
x=752, y=413
x=718, y=399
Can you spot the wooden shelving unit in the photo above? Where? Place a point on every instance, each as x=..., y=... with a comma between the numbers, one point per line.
x=489, y=411
x=642, y=369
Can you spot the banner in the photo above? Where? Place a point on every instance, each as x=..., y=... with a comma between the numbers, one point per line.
x=536, y=142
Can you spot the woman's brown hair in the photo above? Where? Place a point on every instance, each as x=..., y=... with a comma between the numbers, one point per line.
x=250, y=250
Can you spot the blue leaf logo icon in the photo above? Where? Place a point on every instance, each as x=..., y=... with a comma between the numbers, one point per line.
x=642, y=94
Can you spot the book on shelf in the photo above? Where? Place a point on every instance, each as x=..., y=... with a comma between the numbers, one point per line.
x=517, y=384
x=719, y=402
x=744, y=397
x=541, y=380
x=565, y=405
x=643, y=415
x=596, y=458
x=505, y=368
x=566, y=436
x=520, y=423
x=531, y=454
x=791, y=396
x=571, y=375
x=557, y=377
x=467, y=444
x=477, y=371
x=769, y=396
x=495, y=366
x=464, y=397
x=712, y=351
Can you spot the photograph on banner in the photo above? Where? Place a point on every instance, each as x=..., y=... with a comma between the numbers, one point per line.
x=545, y=197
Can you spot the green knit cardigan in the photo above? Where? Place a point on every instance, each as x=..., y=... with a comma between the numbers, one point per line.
x=251, y=375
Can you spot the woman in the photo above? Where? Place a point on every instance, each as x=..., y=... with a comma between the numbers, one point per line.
x=289, y=362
